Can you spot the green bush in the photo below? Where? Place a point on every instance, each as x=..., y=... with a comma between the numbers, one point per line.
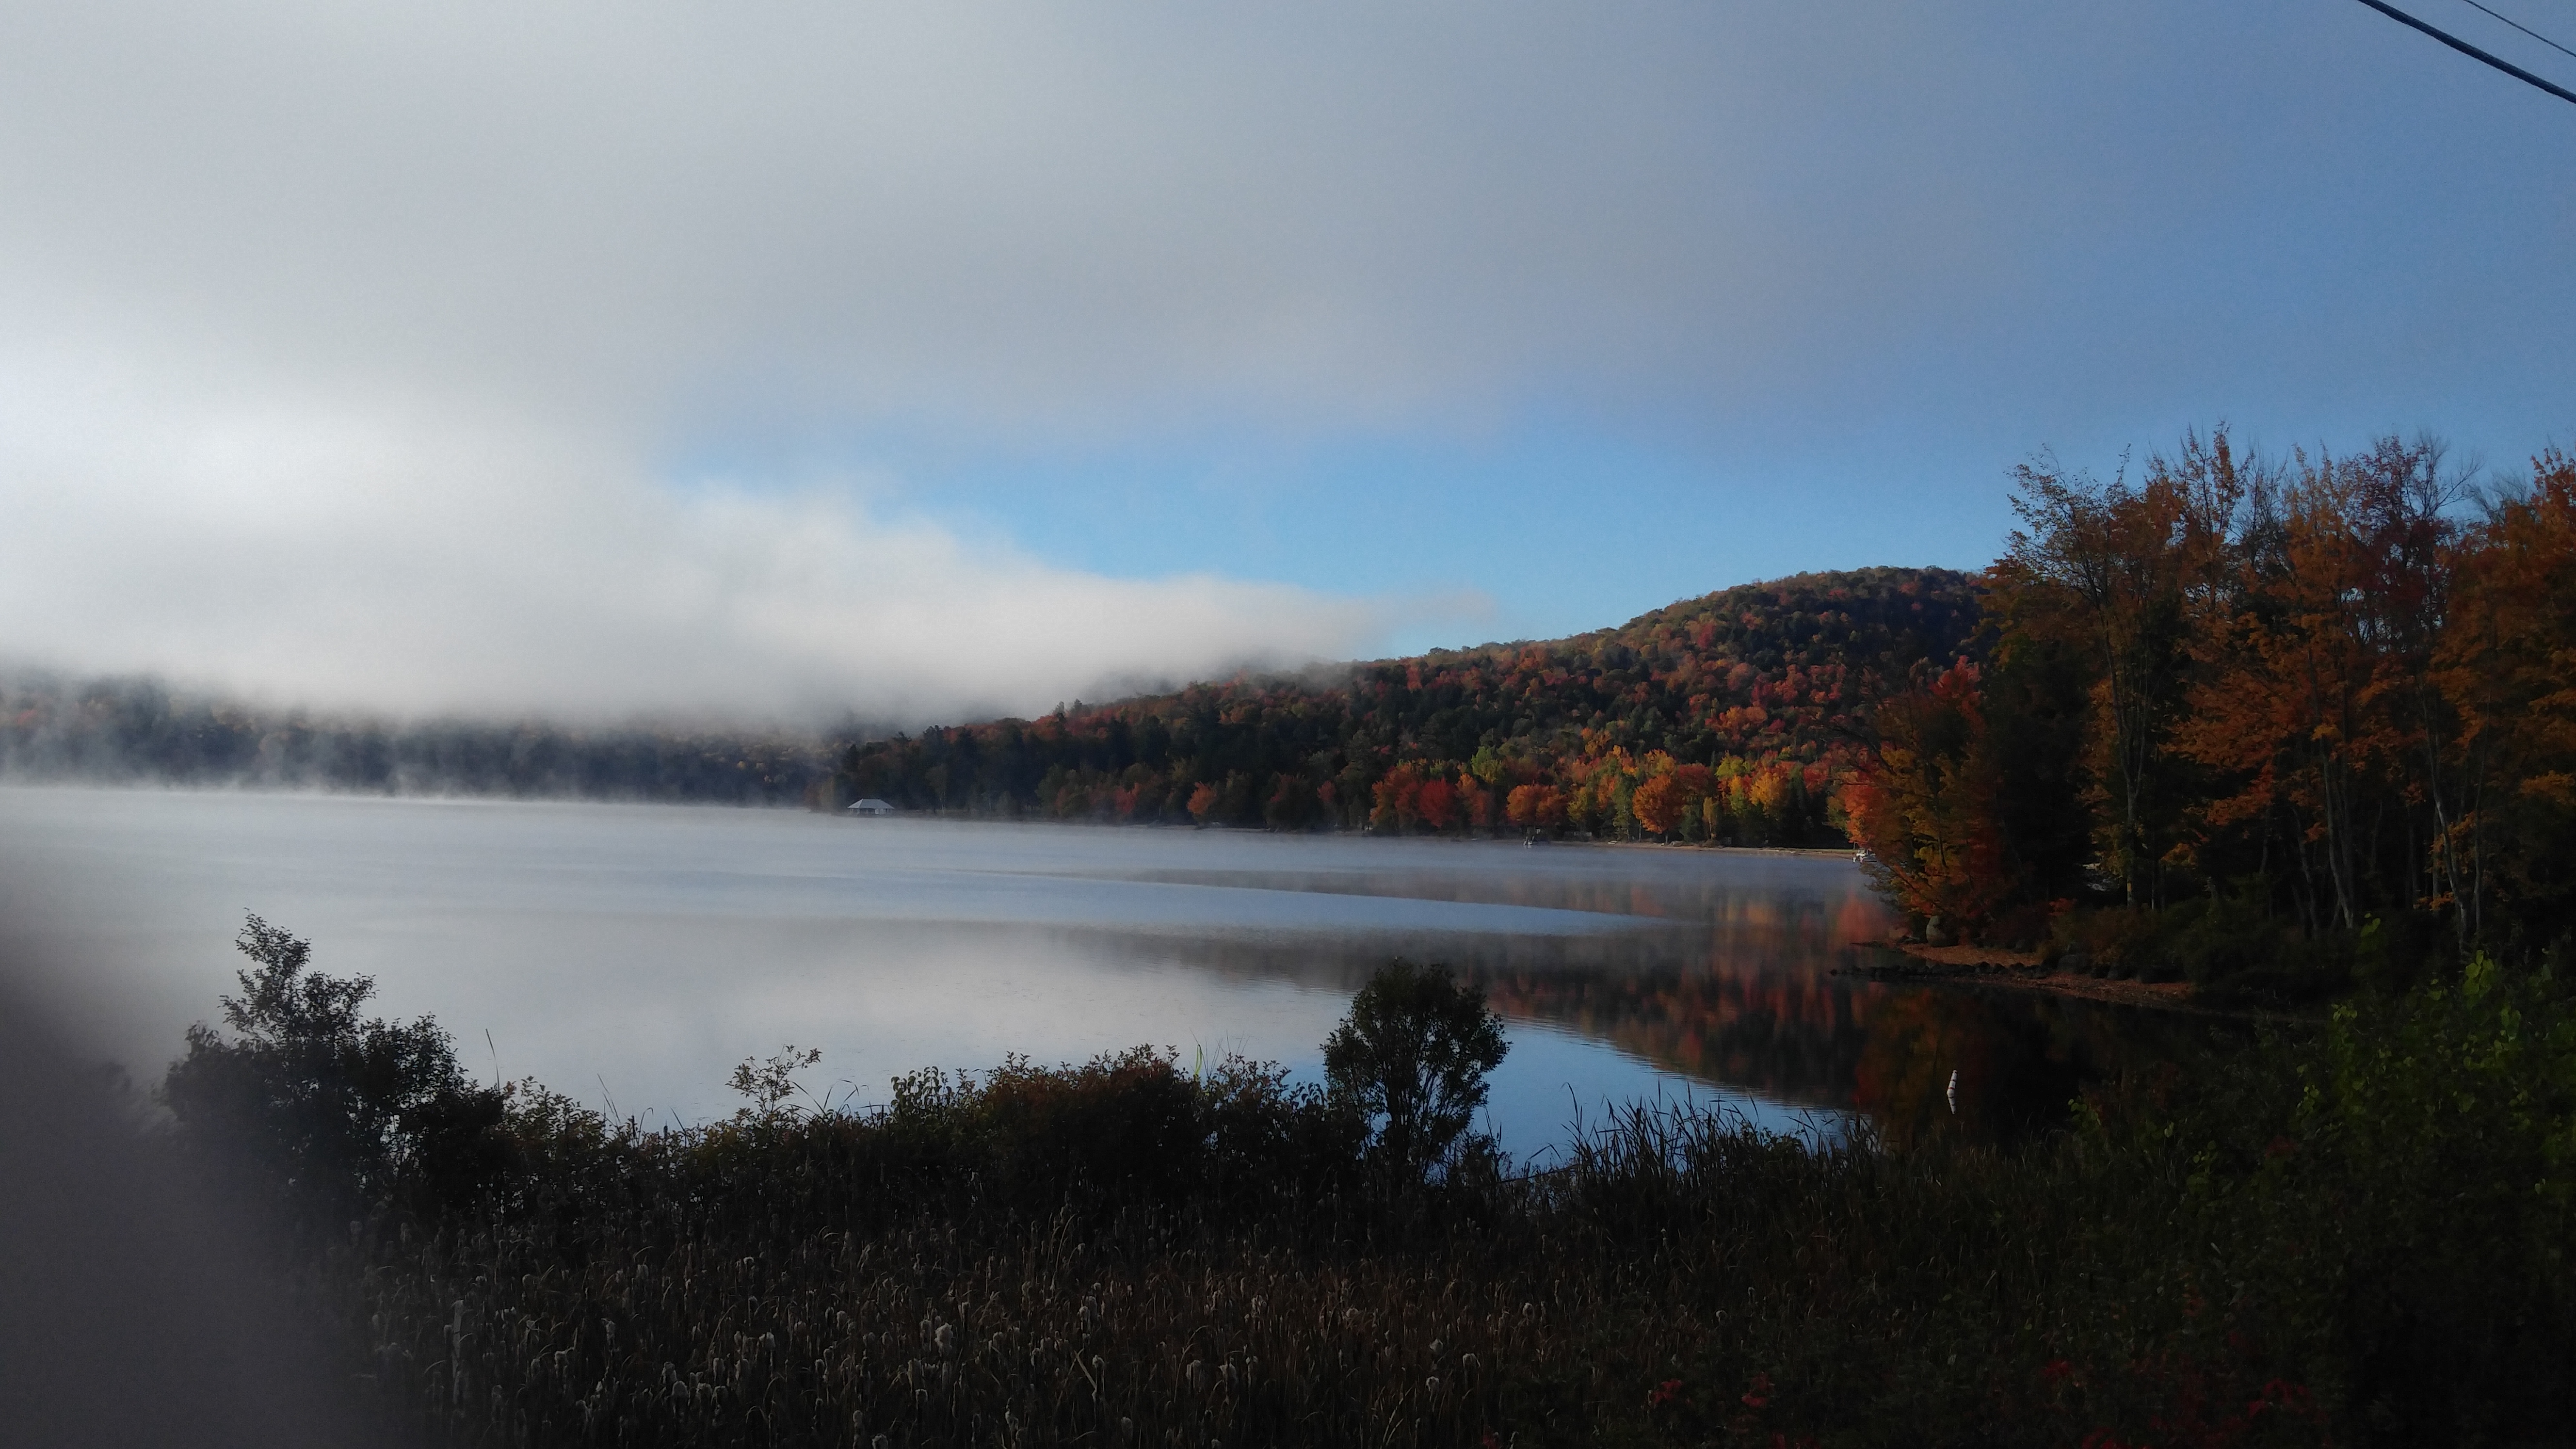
x=1127, y=1125
x=334, y=1108
x=2433, y=1156
x=2384, y=1203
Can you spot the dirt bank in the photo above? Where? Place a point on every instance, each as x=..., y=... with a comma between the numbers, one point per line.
x=2020, y=971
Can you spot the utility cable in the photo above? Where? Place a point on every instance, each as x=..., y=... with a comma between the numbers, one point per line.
x=2525, y=29
x=2471, y=51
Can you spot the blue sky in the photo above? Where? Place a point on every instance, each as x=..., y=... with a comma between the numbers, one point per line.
x=2296, y=218
x=667, y=358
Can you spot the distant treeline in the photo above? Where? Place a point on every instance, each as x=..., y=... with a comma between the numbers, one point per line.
x=136, y=730
x=1728, y=718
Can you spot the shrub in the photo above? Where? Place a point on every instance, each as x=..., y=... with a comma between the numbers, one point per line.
x=324, y=1102
x=1125, y=1124
x=2434, y=1154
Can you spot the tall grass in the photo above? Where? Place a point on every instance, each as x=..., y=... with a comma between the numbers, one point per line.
x=2356, y=1237
x=2360, y=1234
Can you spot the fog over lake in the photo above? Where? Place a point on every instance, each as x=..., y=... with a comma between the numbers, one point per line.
x=632, y=954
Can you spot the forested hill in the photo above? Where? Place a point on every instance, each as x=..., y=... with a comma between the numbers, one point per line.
x=1746, y=705
x=1724, y=718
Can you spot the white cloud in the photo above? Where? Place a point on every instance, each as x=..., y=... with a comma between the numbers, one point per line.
x=334, y=552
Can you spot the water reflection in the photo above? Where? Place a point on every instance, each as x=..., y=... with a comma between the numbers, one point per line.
x=644, y=950
x=1747, y=988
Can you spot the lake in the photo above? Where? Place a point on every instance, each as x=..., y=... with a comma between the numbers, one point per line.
x=630, y=955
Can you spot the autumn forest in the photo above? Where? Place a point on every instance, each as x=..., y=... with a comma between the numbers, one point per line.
x=2317, y=697
x=1732, y=718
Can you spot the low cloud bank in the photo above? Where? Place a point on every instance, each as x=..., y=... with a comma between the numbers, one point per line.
x=356, y=555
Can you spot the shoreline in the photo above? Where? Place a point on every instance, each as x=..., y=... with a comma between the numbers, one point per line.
x=1913, y=961
x=1817, y=852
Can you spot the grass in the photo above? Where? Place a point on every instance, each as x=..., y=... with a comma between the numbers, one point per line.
x=2357, y=1235
x=1684, y=1279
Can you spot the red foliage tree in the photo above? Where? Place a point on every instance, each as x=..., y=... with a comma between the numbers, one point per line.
x=1397, y=799
x=1437, y=803
x=1923, y=805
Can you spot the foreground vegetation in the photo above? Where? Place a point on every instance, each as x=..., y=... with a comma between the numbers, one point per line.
x=2359, y=1235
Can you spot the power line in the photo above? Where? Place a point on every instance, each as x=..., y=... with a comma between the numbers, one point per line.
x=2525, y=29
x=2471, y=51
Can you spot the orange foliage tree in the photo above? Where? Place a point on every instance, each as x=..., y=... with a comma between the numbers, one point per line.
x=1535, y=807
x=1924, y=805
x=2315, y=702
x=1657, y=806
x=2507, y=665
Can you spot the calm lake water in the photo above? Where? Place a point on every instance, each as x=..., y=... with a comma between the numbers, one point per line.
x=630, y=955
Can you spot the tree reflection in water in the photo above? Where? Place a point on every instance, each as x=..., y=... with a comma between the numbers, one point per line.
x=1738, y=981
